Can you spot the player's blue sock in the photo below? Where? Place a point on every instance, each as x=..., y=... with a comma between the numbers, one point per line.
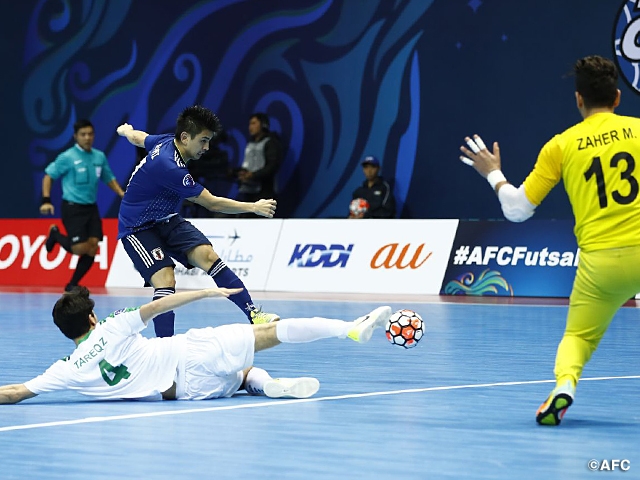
x=163, y=323
x=225, y=278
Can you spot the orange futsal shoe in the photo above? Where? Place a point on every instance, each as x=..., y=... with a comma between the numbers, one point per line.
x=552, y=411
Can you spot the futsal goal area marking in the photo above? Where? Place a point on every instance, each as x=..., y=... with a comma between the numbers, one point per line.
x=277, y=403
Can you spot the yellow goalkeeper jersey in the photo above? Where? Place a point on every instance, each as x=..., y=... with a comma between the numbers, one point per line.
x=599, y=162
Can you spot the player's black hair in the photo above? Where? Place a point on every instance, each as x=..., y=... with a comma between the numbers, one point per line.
x=82, y=123
x=71, y=312
x=263, y=118
x=195, y=119
x=596, y=81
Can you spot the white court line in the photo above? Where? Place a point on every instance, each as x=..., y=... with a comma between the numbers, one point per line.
x=273, y=403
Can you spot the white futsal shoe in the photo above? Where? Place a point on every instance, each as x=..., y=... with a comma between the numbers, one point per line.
x=363, y=327
x=302, y=387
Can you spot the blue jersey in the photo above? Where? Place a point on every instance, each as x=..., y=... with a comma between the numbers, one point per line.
x=80, y=172
x=157, y=186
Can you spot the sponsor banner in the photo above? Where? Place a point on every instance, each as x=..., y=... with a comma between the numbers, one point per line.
x=24, y=259
x=537, y=258
x=362, y=256
x=246, y=245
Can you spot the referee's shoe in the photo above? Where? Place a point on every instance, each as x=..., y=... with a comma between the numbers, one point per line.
x=51, y=239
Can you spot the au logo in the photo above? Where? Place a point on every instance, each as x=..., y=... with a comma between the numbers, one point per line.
x=626, y=33
x=386, y=257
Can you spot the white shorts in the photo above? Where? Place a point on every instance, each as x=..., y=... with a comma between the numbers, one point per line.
x=214, y=361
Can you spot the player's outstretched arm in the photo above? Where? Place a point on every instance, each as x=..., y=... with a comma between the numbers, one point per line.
x=135, y=137
x=483, y=161
x=170, y=302
x=514, y=202
x=10, y=394
x=263, y=207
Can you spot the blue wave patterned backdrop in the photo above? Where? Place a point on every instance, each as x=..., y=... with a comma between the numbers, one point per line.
x=404, y=80
x=335, y=77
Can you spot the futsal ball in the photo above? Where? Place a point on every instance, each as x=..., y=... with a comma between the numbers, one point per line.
x=358, y=206
x=405, y=328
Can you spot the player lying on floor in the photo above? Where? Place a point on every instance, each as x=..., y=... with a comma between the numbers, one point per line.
x=112, y=360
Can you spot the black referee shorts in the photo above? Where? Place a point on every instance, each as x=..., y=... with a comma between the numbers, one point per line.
x=81, y=221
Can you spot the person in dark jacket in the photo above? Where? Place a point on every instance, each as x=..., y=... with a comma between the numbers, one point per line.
x=375, y=191
x=262, y=158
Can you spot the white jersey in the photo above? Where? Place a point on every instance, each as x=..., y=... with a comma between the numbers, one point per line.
x=114, y=361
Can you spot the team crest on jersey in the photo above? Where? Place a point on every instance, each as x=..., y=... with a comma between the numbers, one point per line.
x=188, y=181
x=626, y=30
x=157, y=253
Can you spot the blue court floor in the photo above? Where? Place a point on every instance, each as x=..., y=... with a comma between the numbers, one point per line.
x=460, y=405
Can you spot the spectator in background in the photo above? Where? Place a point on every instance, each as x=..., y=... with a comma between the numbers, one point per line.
x=262, y=158
x=80, y=167
x=376, y=193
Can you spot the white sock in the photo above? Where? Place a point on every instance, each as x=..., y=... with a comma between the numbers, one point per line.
x=303, y=330
x=256, y=378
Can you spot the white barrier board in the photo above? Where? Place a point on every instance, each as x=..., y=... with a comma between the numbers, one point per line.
x=247, y=246
x=362, y=256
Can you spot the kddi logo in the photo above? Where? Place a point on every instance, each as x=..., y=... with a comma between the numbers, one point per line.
x=626, y=31
x=394, y=256
x=318, y=255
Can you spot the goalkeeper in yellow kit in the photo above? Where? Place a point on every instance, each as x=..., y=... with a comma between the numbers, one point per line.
x=599, y=161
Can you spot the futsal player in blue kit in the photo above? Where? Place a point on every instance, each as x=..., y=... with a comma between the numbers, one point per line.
x=150, y=228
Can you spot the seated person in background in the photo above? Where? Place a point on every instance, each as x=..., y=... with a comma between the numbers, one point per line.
x=374, y=198
x=262, y=158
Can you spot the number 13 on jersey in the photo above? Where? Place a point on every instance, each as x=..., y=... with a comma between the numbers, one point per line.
x=626, y=175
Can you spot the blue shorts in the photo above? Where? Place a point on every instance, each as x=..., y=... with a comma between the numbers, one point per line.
x=152, y=249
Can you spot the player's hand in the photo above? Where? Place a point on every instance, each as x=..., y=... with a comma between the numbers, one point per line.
x=46, y=209
x=222, y=292
x=479, y=157
x=123, y=129
x=265, y=208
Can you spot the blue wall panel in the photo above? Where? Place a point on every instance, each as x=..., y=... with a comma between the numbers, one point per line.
x=402, y=80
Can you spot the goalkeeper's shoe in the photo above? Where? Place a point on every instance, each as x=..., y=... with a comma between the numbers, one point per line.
x=302, y=387
x=552, y=411
x=258, y=317
x=363, y=327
